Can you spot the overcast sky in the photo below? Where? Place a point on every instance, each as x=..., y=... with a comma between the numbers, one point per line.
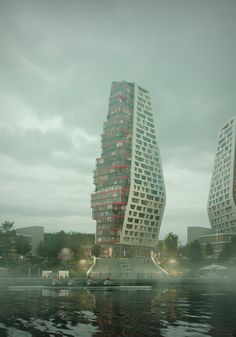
x=57, y=61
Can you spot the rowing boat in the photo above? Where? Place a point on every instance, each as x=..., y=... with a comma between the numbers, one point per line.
x=92, y=287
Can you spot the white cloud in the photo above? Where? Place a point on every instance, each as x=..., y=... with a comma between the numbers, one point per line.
x=38, y=71
x=33, y=122
x=79, y=137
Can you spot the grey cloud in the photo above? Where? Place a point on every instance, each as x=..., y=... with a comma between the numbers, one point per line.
x=55, y=148
x=32, y=146
x=58, y=60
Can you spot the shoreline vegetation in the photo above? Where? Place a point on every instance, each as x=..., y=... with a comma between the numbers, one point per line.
x=74, y=252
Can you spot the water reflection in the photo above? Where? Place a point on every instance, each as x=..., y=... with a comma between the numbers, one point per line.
x=79, y=312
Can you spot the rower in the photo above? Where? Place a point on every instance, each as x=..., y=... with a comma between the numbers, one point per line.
x=107, y=282
x=56, y=282
x=90, y=282
x=71, y=282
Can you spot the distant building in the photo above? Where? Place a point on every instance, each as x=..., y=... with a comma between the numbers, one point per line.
x=208, y=236
x=195, y=232
x=35, y=235
x=129, y=198
x=217, y=241
x=222, y=195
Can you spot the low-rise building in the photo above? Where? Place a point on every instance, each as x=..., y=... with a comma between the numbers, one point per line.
x=208, y=236
x=63, y=273
x=217, y=241
x=195, y=232
x=47, y=273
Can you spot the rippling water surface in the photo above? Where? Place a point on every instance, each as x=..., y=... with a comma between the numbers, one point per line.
x=177, y=312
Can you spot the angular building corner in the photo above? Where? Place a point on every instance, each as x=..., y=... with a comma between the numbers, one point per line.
x=129, y=198
x=222, y=196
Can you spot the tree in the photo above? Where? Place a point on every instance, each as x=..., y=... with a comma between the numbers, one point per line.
x=171, y=244
x=73, y=242
x=6, y=227
x=96, y=250
x=226, y=253
x=160, y=245
x=195, y=253
x=22, y=245
x=229, y=250
x=209, y=249
x=7, y=237
x=41, y=251
x=54, y=243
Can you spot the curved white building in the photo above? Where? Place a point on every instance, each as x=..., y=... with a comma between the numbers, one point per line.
x=222, y=196
x=129, y=198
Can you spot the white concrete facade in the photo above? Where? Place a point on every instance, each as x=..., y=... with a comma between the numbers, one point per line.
x=147, y=195
x=222, y=195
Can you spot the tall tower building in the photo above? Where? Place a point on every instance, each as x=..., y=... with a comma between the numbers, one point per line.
x=222, y=196
x=129, y=198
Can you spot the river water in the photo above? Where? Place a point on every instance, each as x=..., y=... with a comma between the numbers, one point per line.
x=178, y=312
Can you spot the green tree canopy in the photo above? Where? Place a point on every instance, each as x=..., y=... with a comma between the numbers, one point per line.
x=171, y=242
x=229, y=250
x=209, y=249
x=54, y=243
x=160, y=245
x=7, y=237
x=22, y=245
x=195, y=253
x=6, y=227
x=96, y=250
x=226, y=253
